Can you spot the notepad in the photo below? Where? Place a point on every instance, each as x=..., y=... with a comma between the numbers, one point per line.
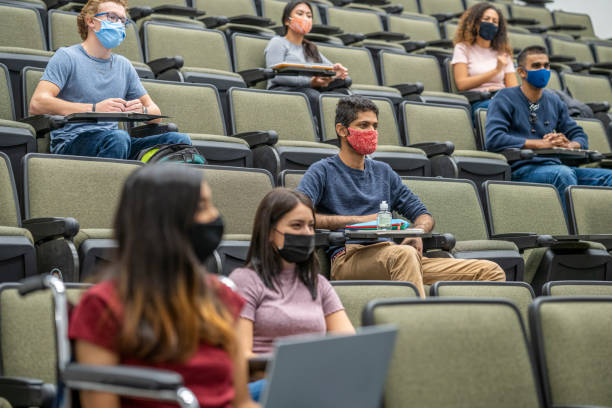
x=396, y=224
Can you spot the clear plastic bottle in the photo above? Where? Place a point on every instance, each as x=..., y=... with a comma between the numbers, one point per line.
x=383, y=220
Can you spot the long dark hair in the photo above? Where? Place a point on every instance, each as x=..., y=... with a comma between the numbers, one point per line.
x=310, y=49
x=263, y=257
x=168, y=306
x=467, y=31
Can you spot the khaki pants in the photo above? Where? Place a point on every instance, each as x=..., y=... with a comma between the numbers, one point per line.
x=387, y=261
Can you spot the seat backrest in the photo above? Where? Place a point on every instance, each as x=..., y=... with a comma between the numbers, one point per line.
x=9, y=209
x=417, y=28
x=194, y=108
x=441, y=6
x=438, y=123
x=199, y=47
x=577, y=288
x=596, y=133
x=524, y=207
x=21, y=27
x=572, y=337
x=541, y=14
x=450, y=28
x=157, y=3
x=291, y=178
x=409, y=68
x=259, y=110
x=522, y=40
x=358, y=61
x=565, y=17
x=237, y=193
x=248, y=51
x=588, y=88
x=519, y=293
x=226, y=8
x=457, y=353
x=7, y=110
x=603, y=52
x=577, y=49
x=454, y=204
x=27, y=332
x=553, y=83
x=589, y=209
x=355, y=295
x=354, y=21
x=63, y=32
x=87, y=189
x=388, y=131
x=30, y=77
x=502, y=7
x=273, y=9
x=410, y=6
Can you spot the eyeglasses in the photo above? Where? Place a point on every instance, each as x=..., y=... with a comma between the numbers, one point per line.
x=113, y=18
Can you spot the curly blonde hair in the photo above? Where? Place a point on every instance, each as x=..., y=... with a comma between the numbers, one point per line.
x=467, y=31
x=91, y=9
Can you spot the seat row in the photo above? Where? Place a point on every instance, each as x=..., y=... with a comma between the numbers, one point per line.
x=521, y=226
x=471, y=344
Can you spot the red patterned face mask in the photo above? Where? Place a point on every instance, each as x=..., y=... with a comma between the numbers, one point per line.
x=300, y=25
x=363, y=141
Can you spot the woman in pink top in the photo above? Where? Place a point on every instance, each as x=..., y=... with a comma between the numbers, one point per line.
x=482, y=59
x=284, y=293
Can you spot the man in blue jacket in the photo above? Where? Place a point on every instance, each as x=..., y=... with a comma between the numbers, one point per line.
x=529, y=117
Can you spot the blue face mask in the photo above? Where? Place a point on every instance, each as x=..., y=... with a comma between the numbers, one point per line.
x=538, y=77
x=487, y=30
x=110, y=34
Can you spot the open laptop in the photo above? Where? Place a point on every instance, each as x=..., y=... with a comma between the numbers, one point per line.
x=330, y=372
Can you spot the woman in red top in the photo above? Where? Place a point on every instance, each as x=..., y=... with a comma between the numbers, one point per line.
x=157, y=306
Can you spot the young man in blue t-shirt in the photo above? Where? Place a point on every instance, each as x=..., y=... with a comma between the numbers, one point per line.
x=87, y=77
x=349, y=187
x=530, y=117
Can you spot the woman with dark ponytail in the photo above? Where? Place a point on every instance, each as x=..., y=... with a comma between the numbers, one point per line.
x=293, y=47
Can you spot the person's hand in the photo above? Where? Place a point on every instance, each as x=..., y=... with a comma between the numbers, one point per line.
x=341, y=71
x=574, y=145
x=111, y=105
x=557, y=139
x=320, y=82
x=134, y=106
x=417, y=243
x=545, y=143
x=502, y=61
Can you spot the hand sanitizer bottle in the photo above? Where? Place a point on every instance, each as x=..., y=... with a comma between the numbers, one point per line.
x=384, y=217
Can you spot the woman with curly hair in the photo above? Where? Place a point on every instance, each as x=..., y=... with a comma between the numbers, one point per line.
x=482, y=59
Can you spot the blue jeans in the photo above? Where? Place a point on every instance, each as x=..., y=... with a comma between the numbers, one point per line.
x=562, y=176
x=478, y=105
x=256, y=388
x=117, y=144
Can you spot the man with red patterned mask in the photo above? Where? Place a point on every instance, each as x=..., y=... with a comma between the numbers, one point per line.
x=349, y=187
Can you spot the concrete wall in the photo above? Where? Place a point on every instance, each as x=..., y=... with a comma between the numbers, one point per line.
x=599, y=10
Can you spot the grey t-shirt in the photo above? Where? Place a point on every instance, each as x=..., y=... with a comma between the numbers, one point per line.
x=278, y=50
x=85, y=79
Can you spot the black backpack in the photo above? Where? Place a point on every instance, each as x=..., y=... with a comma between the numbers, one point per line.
x=180, y=152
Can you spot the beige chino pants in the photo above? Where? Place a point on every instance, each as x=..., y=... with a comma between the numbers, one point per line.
x=388, y=261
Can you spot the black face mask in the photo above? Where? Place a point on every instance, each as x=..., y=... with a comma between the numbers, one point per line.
x=205, y=238
x=297, y=247
x=487, y=30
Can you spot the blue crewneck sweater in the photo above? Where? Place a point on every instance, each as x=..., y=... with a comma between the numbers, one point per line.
x=508, y=123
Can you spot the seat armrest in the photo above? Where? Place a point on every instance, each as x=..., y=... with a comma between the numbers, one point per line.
x=152, y=129
x=341, y=3
x=325, y=238
x=475, y=96
x=566, y=27
x=325, y=29
x=122, y=376
x=332, y=142
x=136, y=13
x=562, y=58
x=351, y=38
x=595, y=156
x=440, y=43
x=411, y=46
x=604, y=239
x=526, y=240
x=607, y=65
x=161, y=65
x=537, y=29
x=442, y=17
x=44, y=229
x=393, y=8
x=445, y=242
x=214, y=21
x=416, y=88
x=435, y=148
x=251, y=20
x=523, y=21
x=44, y=124
x=513, y=155
x=579, y=66
x=255, y=75
x=598, y=107
x=27, y=392
x=372, y=2
x=259, y=138
x=387, y=36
